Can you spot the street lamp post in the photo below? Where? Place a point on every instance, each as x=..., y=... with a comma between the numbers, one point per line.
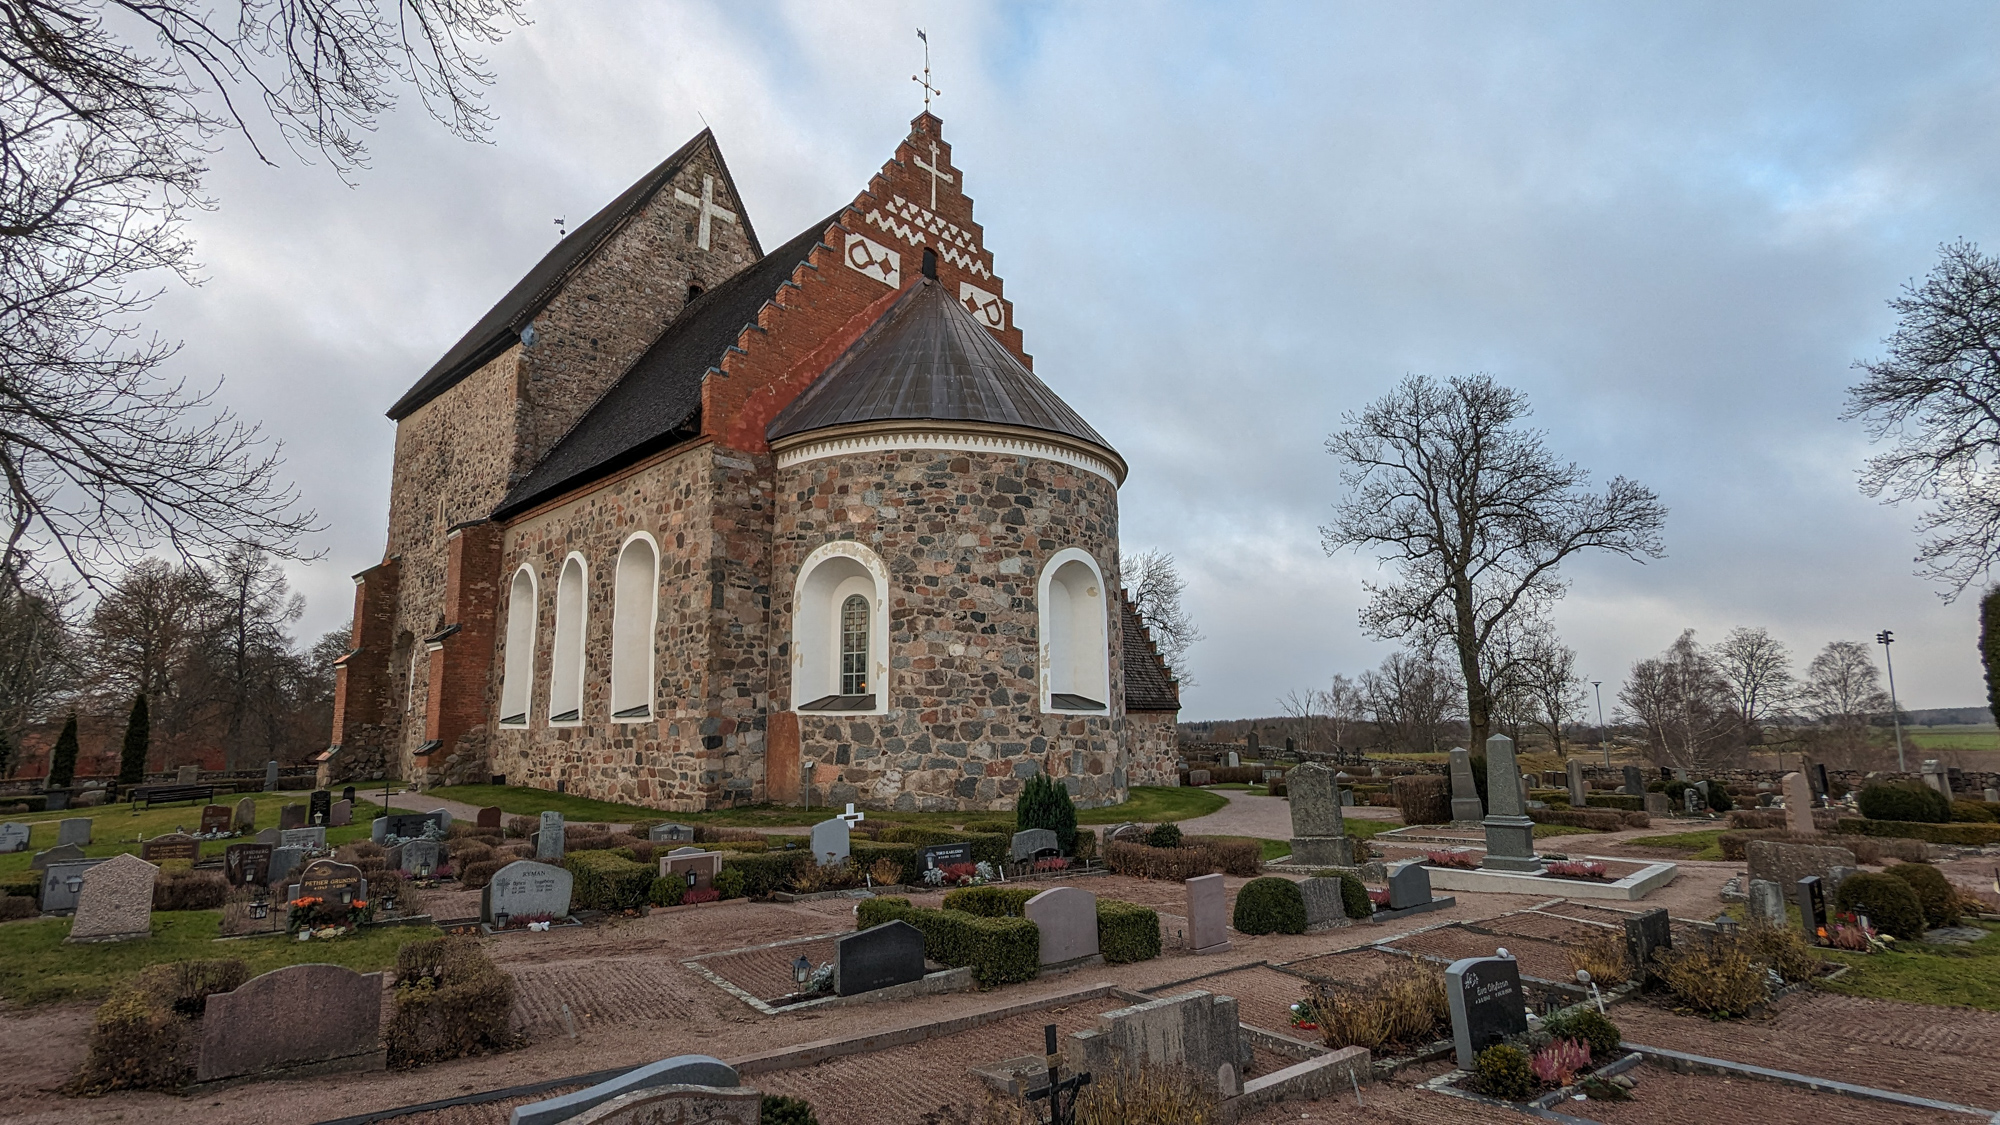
x=1885, y=638
x=1598, y=686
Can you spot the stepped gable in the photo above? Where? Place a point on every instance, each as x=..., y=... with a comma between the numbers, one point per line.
x=501, y=327
x=657, y=403
x=928, y=360
x=1149, y=683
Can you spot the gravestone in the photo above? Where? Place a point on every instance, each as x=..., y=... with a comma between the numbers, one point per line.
x=116, y=902
x=347, y=794
x=291, y=816
x=61, y=853
x=1691, y=799
x=55, y=800
x=1067, y=917
x=1834, y=877
x=215, y=820
x=1346, y=798
x=246, y=815
x=319, y=806
x=526, y=888
x=1935, y=777
x=1197, y=777
x=489, y=817
x=1657, y=805
x=549, y=842
x=693, y=866
x=1785, y=864
x=1197, y=1033
x=681, y=1070
x=258, y=1028
x=187, y=775
x=1798, y=805
x=1579, y=792
x=1510, y=835
x=1767, y=902
x=336, y=884
x=1127, y=833
x=1819, y=782
x=75, y=830
x=285, y=861
x=313, y=838
x=173, y=845
x=341, y=815
x=268, y=836
x=271, y=776
x=1207, y=914
x=878, y=957
x=1486, y=1004
x=1032, y=843
x=1324, y=909
x=247, y=865
x=1993, y=796
x=407, y=826
x=1409, y=884
x=14, y=837
x=1811, y=899
x=670, y=834
x=944, y=855
x=679, y=1104
x=58, y=895
x=1465, y=805
x=418, y=857
x=829, y=842
x=1645, y=933
x=1319, y=835
x=1635, y=782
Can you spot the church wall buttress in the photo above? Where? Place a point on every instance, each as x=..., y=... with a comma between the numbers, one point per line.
x=363, y=687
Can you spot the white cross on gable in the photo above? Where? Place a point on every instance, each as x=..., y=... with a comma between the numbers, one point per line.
x=707, y=207
x=936, y=175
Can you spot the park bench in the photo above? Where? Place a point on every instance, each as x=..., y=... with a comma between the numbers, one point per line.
x=168, y=794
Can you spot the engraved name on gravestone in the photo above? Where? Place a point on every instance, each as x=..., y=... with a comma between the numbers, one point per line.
x=247, y=865
x=943, y=855
x=549, y=842
x=215, y=820
x=1486, y=1004
x=13, y=837
x=878, y=957
x=526, y=889
x=1207, y=914
x=692, y=866
x=334, y=883
x=173, y=845
x=829, y=842
x=75, y=830
x=1033, y=842
x=312, y=838
x=318, y=807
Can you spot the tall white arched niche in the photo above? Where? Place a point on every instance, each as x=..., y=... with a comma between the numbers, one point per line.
x=634, y=616
x=1076, y=645
x=517, y=678
x=821, y=633
x=566, y=662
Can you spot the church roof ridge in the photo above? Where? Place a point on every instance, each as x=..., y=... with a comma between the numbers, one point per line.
x=497, y=330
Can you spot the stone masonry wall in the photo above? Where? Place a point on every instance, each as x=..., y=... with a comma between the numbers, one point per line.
x=963, y=537
x=1152, y=741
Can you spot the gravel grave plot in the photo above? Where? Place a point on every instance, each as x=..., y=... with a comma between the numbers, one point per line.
x=602, y=992
x=1264, y=996
x=1358, y=967
x=767, y=973
x=1930, y=1052
x=1666, y=1098
x=1541, y=959
x=1548, y=927
x=1589, y=913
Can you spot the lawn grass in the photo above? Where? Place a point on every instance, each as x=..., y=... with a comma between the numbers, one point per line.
x=1950, y=738
x=1542, y=830
x=37, y=968
x=1367, y=829
x=114, y=829
x=1701, y=844
x=1949, y=976
x=1150, y=804
x=1273, y=849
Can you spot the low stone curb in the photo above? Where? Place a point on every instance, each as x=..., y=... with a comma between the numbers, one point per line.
x=1683, y=1063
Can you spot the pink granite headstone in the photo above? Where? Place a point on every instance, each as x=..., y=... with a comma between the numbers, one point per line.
x=1067, y=918
x=1208, y=915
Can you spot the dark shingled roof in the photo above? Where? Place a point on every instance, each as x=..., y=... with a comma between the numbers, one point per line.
x=926, y=359
x=502, y=324
x=1149, y=685
x=650, y=406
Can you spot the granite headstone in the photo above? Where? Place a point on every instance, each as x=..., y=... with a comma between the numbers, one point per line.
x=247, y=865
x=943, y=855
x=1207, y=914
x=246, y=815
x=1032, y=843
x=171, y=846
x=1409, y=884
x=341, y=815
x=1324, y=909
x=1767, y=902
x=1579, y=790
x=1635, y=782
x=291, y=816
x=61, y=853
x=323, y=1017
x=1465, y=804
x=75, y=830
x=830, y=842
x=1510, y=835
x=1067, y=918
x=878, y=957
x=58, y=895
x=549, y=842
x=215, y=820
x=1484, y=994
x=526, y=888
x=1798, y=805
x=313, y=838
x=116, y=901
x=319, y=806
x=488, y=818
x=14, y=837
x=670, y=834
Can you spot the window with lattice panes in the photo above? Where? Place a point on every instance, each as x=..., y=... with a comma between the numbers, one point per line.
x=854, y=645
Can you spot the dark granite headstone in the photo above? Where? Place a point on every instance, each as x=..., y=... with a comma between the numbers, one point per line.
x=1409, y=884
x=1034, y=842
x=1644, y=934
x=347, y=794
x=216, y=819
x=877, y=957
x=1810, y=894
x=943, y=855
x=61, y=853
x=247, y=865
x=292, y=816
x=320, y=806
x=1692, y=799
x=335, y=883
x=1635, y=781
x=1819, y=781
x=1486, y=1004
x=489, y=817
x=409, y=826
x=670, y=834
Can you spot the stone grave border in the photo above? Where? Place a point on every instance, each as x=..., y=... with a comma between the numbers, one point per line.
x=932, y=984
x=1542, y=1106
x=1481, y=880
x=486, y=928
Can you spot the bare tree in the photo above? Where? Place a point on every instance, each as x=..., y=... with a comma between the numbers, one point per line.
x=1156, y=585
x=1843, y=687
x=107, y=110
x=1476, y=514
x=1547, y=678
x=1684, y=704
x=1306, y=712
x=37, y=660
x=1346, y=710
x=1758, y=669
x=1413, y=697
x=148, y=635
x=253, y=654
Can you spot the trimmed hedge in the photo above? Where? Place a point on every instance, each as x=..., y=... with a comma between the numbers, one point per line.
x=1198, y=855
x=190, y=890
x=1970, y=835
x=609, y=882
x=1423, y=798
x=1126, y=931
x=1000, y=950
x=1889, y=903
x=1354, y=900
x=26, y=883
x=988, y=847
x=1918, y=803
x=450, y=1001
x=1934, y=892
x=1597, y=820
x=1974, y=812
x=766, y=872
x=668, y=890
x=1622, y=801
x=990, y=900
x=1270, y=905
x=882, y=908
x=146, y=1036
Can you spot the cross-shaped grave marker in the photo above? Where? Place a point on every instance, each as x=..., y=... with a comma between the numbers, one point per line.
x=707, y=208
x=850, y=816
x=1061, y=1111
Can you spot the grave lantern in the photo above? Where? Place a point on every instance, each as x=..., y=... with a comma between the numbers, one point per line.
x=74, y=883
x=260, y=909
x=500, y=919
x=801, y=969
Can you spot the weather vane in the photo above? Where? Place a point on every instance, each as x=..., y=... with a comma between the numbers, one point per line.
x=925, y=81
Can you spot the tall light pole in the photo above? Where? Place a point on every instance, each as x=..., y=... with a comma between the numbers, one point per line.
x=1598, y=685
x=1885, y=638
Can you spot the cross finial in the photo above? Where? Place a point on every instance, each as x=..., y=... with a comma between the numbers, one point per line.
x=925, y=81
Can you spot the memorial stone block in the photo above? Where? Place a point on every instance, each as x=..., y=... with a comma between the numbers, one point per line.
x=116, y=900
x=1324, y=909
x=1197, y=1033
x=1657, y=805
x=670, y=834
x=75, y=830
x=271, y=776
x=326, y=1017
x=1207, y=914
x=1198, y=777
x=247, y=865
x=1811, y=899
x=347, y=794
x=418, y=857
x=14, y=837
x=549, y=842
x=1032, y=843
x=291, y=816
x=1579, y=790
x=944, y=855
x=692, y=866
x=1510, y=835
x=1067, y=918
x=878, y=957
x=61, y=881
x=268, y=836
x=1785, y=863
x=1767, y=902
x=1798, y=805
x=526, y=888
x=284, y=862
x=1649, y=931
x=331, y=882
x=1635, y=782
x=1486, y=1003
x=341, y=815
x=1409, y=884
x=1465, y=804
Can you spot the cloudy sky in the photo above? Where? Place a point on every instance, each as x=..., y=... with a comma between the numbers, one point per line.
x=1673, y=226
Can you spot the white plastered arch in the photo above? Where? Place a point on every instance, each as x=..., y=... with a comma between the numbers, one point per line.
x=1073, y=606
x=635, y=619
x=517, y=677
x=567, y=654
x=826, y=579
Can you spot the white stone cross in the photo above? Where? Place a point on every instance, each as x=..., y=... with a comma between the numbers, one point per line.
x=932, y=168
x=850, y=816
x=707, y=207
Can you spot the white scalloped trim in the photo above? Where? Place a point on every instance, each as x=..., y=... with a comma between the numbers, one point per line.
x=949, y=441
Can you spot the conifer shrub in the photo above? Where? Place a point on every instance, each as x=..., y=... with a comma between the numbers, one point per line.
x=882, y=908
x=605, y=881
x=450, y=1001
x=1127, y=931
x=1934, y=892
x=1423, y=798
x=1270, y=905
x=1890, y=904
x=1045, y=803
x=138, y=742
x=1915, y=803
x=62, y=760
x=1503, y=1072
x=1167, y=835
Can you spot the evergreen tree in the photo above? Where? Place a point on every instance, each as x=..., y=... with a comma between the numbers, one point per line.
x=1045, y=803
x=138, y=740
x=62, y=761
x=1989, y=646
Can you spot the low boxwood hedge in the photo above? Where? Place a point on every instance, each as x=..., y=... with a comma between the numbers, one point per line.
x=1126, y=931
x=605, y=881
x=667, y=890
x=1890, y=904
x=1622, y=801
x=990, y=900
x=764, y=873
x=1904, y=801
x=1354, y=900
x=988, y=847
x=873, y=912
x=1934, y=892
x=1970, y=835
x=1270, y=905
x=1000, y=950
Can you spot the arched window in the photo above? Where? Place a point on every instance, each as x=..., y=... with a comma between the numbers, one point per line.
x=517, y=680
x=840, y=618
x=566, y=662
x=635, y=595
x=1076, y=647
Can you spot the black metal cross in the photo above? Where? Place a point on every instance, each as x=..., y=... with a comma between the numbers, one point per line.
x=1059, y=1113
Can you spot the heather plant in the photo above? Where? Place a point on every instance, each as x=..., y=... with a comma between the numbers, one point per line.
x=1558, y=1063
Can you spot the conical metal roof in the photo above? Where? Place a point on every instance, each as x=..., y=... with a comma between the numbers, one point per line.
x=927, y=359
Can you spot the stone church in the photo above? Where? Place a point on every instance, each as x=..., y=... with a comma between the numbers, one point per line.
x=684, y=523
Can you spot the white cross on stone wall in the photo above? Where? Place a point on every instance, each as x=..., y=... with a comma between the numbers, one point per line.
x=936, y=175
x=707, y=207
